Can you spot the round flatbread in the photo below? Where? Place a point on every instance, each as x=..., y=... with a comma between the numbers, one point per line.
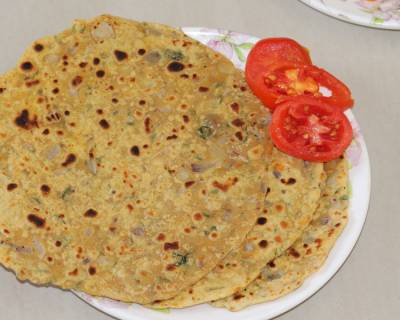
x=292, y=192
x=132, y=160
x=306, y=256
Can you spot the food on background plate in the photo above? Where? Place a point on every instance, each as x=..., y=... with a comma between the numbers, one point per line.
x=133, y=160
x=306, y=256
x=137, y=165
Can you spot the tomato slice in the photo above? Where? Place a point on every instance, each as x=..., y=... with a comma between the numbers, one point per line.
x=309, y=129
x=267, y=52
x=285, y=79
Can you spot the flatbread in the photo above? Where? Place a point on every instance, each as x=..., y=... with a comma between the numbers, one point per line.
x=288, y=272
x=292, y=193
x=132, y=160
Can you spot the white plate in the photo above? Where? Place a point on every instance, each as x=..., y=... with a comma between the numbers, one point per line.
x=236, y=47
x=383, y=14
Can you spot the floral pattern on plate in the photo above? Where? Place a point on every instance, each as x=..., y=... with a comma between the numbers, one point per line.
x=234, y=45
x=383, y=14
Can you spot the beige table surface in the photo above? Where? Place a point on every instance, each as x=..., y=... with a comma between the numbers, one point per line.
x=368, y=60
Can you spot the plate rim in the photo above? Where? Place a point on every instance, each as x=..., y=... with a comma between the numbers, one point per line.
x=348, y=17
x=297, y=297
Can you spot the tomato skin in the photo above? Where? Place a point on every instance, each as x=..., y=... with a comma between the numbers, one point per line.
x=309, y=129
x=271, y=50
x=267, y=52
x=341, y=94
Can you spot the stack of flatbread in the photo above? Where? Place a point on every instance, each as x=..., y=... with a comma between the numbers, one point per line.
x=135, y=164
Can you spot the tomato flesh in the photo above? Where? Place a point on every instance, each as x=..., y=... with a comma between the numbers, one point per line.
x=283, y=80
x=310, y=129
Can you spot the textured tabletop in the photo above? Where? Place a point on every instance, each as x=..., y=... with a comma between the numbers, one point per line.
x=368, y=60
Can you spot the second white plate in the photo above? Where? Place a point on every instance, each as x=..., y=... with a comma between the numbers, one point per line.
x=380, y=14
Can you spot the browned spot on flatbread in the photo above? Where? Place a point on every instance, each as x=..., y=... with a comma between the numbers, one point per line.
x=261, y=220
x=171, y=245
x=175, y=66
x=271, y=264
x=120, y=55
x=31, y=83
x=198, y=216
x=36, y=220
x=239, y=136
x=100, y=73
x=161, y=237
x=283, y=224
x=294, y=253
x=104, y=124
x=235, y=107
x=203, y=89
x=227, y=185
x=71, y=158
x=172, y=137
x=45, y=189
x=289, y=181
x=238, y=122
x=147, y=124
x=38, y=47
x=135, y=151
x=90, y=213
x=188, y=184
x=73, y=272
x=25, y=122
x=171, y=267
x=11, y=186
x=92, y=270
x=238, y=296
x=263, y=244
x=26, y=66
x=76, y=81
